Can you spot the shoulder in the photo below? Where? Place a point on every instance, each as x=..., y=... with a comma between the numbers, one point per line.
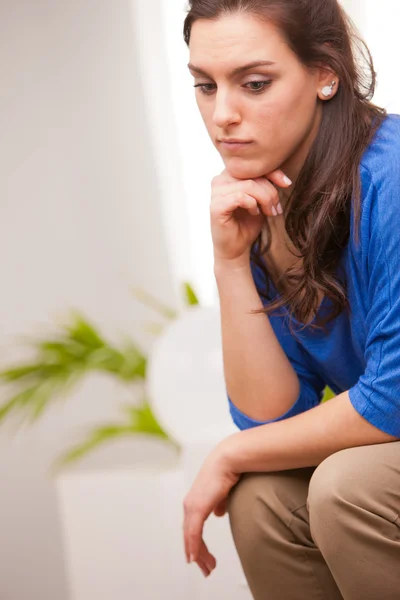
x=380, y=163
x=380, y=178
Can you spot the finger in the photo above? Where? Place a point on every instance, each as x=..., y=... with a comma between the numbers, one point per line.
x=266, y=195
x=210, y=562
x=226, y=205
x=263, y=191
x=220, y=509
x=223, y=178
x=187, y=553
x=204, y=555
x=207, y=557
x=248, y=203
x=194, y=528
x=186, y=542
x=189, y=558
x=279, y=178
x=204, y=567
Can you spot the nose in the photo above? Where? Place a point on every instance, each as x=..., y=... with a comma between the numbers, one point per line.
x=225, y=112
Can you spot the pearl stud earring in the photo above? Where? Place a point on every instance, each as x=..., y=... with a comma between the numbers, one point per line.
x=328, y=89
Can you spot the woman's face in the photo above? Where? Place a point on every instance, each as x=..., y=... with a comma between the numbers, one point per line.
x=274, y=106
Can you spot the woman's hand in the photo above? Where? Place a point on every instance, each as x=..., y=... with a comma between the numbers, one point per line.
x=208, y=494
x=238, y=209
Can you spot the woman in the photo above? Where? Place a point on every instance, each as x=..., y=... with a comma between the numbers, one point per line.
x=306, y=232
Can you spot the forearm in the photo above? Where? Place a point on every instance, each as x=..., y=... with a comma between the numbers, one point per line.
x=301, y=441
x=259, y=378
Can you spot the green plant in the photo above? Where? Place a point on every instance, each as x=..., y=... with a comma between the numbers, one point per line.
x=66, y=358
x=328, y=394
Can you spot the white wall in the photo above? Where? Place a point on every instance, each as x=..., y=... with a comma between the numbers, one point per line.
x=182, y=135
x=378, y=25
x=80, y=224
x=88, y=211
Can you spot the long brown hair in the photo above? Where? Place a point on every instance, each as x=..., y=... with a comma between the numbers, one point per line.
x=317, y=214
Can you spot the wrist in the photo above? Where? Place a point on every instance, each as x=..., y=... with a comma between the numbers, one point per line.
x=233, y=265
x=227, y=453
x=238, y=262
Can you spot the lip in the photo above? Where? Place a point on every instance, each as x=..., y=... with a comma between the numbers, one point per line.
x=234, y=141
x=232, y=145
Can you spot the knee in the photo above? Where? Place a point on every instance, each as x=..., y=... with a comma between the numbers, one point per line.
x=325, y=491
x=334, y=492
x=244, y=508
x=349, y=486
x=253, y=508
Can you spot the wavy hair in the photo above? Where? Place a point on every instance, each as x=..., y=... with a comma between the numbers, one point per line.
x=317, y=214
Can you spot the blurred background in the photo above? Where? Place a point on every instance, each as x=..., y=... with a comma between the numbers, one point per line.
x=105, y=171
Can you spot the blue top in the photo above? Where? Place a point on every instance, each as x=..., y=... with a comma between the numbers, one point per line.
x=360, y=352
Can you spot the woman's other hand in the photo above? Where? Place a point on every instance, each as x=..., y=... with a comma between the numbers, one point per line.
x=238, y=210
x=208, y=494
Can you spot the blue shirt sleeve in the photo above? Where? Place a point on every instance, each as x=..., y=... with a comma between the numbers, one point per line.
x=376, y=395
x=311, y=384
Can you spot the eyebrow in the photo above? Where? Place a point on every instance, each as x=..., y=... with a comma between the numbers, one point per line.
x=237, y=71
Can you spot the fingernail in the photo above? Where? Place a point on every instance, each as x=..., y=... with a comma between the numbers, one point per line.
x=287, y=180
x=274, y=211
x=191, y=558
x=279, y=208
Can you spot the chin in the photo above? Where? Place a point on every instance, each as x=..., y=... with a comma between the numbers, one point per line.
x=247, y=169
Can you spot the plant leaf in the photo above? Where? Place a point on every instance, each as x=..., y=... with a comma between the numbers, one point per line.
x=62, y=351
x=190, y=296
x=142, y=419
x=153, y=328
x=81, y=331
x=142, y=422
x=63, y=360
x=135, y=363
x=46, y=391
x=152, y=302
x=18, y=373
x=96, y=437
x=328, y=394
x=16, y=401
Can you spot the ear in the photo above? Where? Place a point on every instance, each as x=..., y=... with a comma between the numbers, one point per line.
x=328, y=83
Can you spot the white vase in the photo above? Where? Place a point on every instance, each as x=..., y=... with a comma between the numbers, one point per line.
x=122, y=532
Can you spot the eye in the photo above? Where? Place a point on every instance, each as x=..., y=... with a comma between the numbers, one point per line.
x=260, y=86
x=205, y=88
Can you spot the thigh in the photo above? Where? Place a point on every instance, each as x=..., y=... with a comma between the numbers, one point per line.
x=365, y=476
x=354, y=504
x=282, y=493
x=270, y=527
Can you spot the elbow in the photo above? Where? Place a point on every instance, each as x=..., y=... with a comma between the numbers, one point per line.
x=261, y=396
x=268, y=411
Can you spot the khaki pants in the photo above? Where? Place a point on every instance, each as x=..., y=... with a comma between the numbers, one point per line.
x=325, y=533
